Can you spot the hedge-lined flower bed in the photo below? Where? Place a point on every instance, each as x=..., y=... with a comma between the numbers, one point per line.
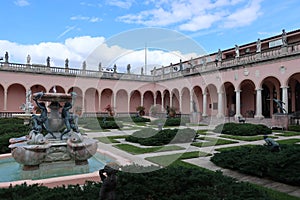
x=171, y=183
x=258, y=160
x=11, y=128
x=152, y=137
x=244, y=129
x=172, y=121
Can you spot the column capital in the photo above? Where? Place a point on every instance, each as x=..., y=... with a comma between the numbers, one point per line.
x=284, y=87
x=238, y=90
x=258, y=89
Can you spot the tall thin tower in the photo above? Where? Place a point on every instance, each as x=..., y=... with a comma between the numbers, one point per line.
x=145, y=58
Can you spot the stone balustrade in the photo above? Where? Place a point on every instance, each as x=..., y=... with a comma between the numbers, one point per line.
x=167, y=72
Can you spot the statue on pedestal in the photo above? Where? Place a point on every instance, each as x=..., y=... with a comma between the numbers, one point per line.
x=258, y=46
x=128, y=69
x=237, y=51
x=6, y=57
x=284, y=38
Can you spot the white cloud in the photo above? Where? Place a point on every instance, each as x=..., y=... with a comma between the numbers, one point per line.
x=21, y=3
x=85, y=18
x=194, y=15
x=93, y=50
x=75, y=49
x=244, y=16
x=121, y=3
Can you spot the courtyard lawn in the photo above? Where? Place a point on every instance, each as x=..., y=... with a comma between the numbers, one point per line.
x=289, y=141
x=203, y=132
x=209, y=141
x=233, y=148
x=287, y=133
x=110, y=139
x=166, y=160
x=138, y=150
x=246, y=138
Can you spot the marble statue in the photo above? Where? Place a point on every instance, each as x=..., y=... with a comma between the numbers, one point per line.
x=258, y=46
x=237, y=51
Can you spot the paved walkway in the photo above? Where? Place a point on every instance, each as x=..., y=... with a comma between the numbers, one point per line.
x=125, y=158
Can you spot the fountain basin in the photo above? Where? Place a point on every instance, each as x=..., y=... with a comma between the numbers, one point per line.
x=12, y=173
x=32, y=156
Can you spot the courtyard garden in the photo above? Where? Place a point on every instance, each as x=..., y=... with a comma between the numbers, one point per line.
x=170, y=176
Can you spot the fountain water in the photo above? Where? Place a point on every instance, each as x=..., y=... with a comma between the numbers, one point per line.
x=57, y=151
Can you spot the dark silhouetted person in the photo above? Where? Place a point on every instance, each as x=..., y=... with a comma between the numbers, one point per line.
x=109, y=182
x=273, y=146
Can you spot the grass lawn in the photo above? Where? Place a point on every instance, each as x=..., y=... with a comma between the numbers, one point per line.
x=212, y=142
x=245, y=138
x=138, y=150
x=288, y=141
x=110, y=139
x=287, y=133
x=231, y=148
x=203, y=132
x=166, y=160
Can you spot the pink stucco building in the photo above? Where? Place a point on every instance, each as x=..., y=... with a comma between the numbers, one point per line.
x=241, y=81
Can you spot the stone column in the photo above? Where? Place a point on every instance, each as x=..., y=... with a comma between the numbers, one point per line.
x=162, y=103
x=171, y=99
x=114, y=101
x=285, y=98
x=142, y=100
x=191, y=103
x=258, y=113
x=180, y=103
x=83, y=101
x=5, y=99
x=220, y=105
x=204, y=114
x=237, y=104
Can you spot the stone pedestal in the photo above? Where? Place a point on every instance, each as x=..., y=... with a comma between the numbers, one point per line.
x=280, y=120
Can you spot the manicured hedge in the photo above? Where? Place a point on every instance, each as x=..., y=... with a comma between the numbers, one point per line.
x=152, y=137
x=100, y=123
x=171, y=183
x=134, y=119
x=11, y=128
x=173, y=121
x=294, y=128
x=244, y=129
x=258, y=160
x=111, y=125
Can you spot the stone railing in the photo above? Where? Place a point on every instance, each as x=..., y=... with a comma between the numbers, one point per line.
x=167, y=72
x=34, y=68
x=210, y=66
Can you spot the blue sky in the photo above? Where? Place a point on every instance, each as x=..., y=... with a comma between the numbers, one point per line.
x=74, y=28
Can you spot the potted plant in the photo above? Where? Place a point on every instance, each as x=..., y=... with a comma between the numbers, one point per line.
x=172, y=112
x=141, y=110
x=109, y=110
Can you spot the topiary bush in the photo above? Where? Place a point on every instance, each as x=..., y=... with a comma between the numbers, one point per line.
x=258, y=160
x=294, y=128
x=152, y=137
x=11, y=128
x=171, y=183
x=172, y=121
x=111, y=125
x=244, y=129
